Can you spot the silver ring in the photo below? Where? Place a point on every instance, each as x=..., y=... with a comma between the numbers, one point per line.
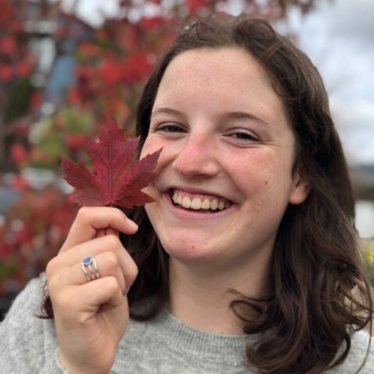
x=90, y=270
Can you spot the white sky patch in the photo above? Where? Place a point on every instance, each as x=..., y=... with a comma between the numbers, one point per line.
x=339, y=38
x=365, y=218
x=93, y=12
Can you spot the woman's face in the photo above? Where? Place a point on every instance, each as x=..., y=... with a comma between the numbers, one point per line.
x=225, y=171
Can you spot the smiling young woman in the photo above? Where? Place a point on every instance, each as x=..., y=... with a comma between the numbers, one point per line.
x=210, y=152
x=247, y=261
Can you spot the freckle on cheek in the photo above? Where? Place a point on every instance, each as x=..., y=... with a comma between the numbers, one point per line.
x=266, y=182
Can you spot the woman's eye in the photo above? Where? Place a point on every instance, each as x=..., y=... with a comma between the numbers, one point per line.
x=170, y=128
x=244, y=136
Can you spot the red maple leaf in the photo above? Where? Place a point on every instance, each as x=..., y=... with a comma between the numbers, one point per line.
x=118, y=177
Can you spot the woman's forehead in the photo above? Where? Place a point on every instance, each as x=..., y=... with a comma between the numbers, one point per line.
x=228, y=79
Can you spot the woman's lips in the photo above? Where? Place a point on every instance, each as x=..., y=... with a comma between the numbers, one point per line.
x=199, y=202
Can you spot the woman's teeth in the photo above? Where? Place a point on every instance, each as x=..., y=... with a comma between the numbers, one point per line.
x=198, y=203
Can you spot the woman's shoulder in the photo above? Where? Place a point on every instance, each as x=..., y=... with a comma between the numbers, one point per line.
x=30, y=299
x=23, y=325
x=361, y=355
x=26, y=310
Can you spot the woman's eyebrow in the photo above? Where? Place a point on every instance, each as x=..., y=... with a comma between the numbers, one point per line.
x=245, y=116
x=166, y=110
x=230, y=115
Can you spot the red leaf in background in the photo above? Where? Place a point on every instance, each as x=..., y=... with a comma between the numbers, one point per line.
x=18, y=153
x=19, y=183
x=117, y=178
x=74, y=142
x=150, y=23
x=22, y=69
x=6, y=11
x=195, y=5
x=128, y=39
x=6, y=73
x=89, y=49
x=36, y=100
x=8, y=45
x=5, y=248
x=111, y=71
x=73, y=96
x=137, y=68
x=86, y=72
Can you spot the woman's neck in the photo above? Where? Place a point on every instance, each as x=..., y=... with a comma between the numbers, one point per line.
x=203, y=300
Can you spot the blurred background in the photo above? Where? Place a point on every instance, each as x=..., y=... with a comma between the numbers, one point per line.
x=66, y=66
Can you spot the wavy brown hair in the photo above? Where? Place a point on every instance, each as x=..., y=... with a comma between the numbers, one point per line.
x=318, y=281
x=320, y=292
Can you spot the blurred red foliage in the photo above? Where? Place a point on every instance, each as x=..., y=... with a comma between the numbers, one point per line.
x=36, y=227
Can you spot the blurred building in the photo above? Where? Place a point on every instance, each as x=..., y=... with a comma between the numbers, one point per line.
x=363, y=183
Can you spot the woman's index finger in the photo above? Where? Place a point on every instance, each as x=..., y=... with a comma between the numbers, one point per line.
x=90, y=221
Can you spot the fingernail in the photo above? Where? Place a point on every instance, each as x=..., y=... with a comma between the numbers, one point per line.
x=132, y=224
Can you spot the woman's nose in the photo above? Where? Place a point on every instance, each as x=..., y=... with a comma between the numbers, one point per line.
x=197, y=157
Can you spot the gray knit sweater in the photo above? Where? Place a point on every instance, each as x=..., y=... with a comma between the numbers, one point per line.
x=164, y=345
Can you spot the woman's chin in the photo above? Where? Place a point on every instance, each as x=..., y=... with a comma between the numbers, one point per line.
x=191, y=253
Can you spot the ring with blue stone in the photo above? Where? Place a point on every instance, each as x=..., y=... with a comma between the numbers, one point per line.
x=90, y=270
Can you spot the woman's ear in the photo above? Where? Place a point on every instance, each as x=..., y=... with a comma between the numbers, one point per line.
x=301, y=188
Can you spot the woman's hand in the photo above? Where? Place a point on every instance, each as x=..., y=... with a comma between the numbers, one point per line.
x=91, y=317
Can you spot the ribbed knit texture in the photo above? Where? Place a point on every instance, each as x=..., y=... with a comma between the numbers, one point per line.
x=162, y=346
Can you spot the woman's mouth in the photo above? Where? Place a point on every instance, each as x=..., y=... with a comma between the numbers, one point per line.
x=205, y=204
